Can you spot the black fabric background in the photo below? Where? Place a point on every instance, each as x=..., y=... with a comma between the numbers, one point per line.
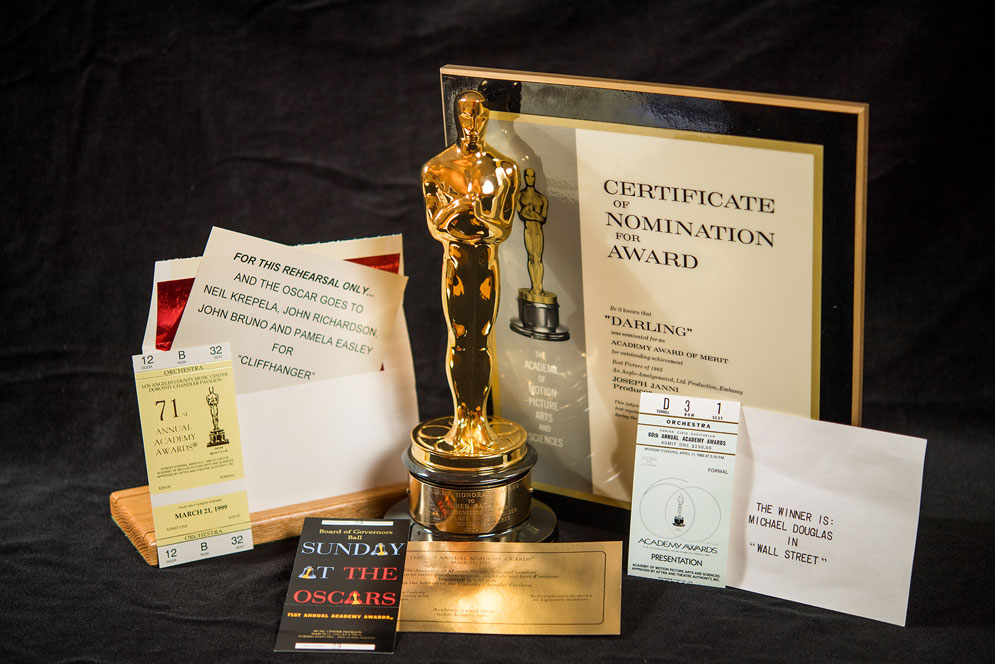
x=128, y=129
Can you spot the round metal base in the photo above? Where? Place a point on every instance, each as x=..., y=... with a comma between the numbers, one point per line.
x=539, y=527
x=470, y=503
x=539, y=320
x=559, y=334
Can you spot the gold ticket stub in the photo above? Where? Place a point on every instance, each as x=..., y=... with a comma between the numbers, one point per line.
x=186, y=400
x=512, y=588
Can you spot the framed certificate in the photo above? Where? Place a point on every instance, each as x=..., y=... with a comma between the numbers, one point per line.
x=675, y=240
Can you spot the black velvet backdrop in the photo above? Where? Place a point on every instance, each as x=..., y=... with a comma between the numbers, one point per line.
x=128, y=129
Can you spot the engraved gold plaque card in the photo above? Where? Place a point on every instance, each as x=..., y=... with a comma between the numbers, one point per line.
x=470, y=474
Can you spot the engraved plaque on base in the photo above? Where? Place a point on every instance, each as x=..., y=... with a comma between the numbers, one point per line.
x=470, y=474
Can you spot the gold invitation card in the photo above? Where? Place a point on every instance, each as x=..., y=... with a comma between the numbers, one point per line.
x=512, y=588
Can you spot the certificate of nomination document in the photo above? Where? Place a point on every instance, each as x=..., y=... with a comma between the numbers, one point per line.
x=186, y=400
x=684, y=263
x=682, y=489
x=512, y=588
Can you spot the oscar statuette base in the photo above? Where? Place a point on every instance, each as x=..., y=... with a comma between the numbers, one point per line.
x=539, y=317
x=484, y=500
x=539, y=527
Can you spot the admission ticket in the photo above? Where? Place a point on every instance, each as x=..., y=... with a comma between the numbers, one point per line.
x=186, y=400
x=682, y=488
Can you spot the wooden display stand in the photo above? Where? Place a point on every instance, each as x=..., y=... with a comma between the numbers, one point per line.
x=131, y=509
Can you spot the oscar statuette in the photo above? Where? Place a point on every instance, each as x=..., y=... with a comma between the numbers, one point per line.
x=470, y=474
x=538, y=310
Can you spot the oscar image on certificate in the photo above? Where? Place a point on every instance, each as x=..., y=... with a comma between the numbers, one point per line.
x=470, y=474
x=538, y=310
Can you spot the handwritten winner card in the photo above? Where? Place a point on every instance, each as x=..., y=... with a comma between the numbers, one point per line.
x=292, y=316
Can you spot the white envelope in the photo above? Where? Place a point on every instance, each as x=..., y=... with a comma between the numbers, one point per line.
x=327, y=438
x=840, y=531
x=332, y=437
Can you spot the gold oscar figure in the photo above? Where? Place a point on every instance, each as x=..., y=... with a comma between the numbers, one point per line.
x=470, y=474
x=538, y=310
x=217, y=434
